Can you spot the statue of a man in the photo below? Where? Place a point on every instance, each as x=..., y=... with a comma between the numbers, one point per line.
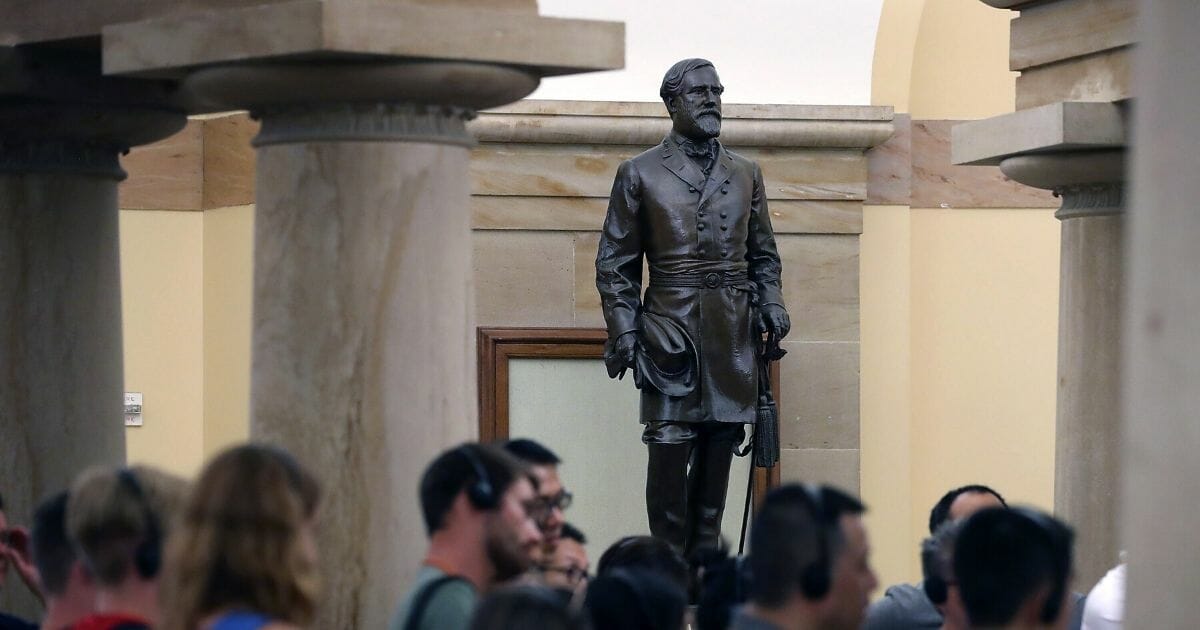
x=698, y=214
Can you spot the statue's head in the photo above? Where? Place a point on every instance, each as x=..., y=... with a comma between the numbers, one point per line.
x=691, y=90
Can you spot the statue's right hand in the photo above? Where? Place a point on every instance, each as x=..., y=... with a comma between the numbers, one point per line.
x=625, y=346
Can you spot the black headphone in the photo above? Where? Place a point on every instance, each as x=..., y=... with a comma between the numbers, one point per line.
x=935, y=586
x=147, y=556
x=481, y=492
x=817, y=576
x=1059, y=539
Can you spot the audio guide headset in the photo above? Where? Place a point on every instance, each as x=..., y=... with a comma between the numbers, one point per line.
x=817, y=576
x=147, y=556
x=481, y=492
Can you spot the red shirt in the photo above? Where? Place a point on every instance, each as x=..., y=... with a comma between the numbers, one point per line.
x=111, y=621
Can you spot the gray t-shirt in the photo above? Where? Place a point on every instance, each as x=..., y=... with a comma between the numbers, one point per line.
x=448, y=608
x=903, y=607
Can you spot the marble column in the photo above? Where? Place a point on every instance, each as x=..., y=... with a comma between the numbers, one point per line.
x=363, y=344
x=60, y=285
x=1161, y=427
x=1087, y=434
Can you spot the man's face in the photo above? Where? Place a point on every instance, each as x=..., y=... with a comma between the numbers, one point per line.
x=969, y=503
x=512, y=534
x=696, y=110
x=567, y=566
x=550, y=493
x=853, y=579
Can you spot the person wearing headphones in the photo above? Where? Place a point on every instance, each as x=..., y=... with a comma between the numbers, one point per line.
x=1013, y=569
x=118, y=519
x=481, y=512
x=809, y=562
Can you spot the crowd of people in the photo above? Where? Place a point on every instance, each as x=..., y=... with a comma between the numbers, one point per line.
x=134, y=548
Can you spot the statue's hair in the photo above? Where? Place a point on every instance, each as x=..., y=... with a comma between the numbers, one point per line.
x=673, y=80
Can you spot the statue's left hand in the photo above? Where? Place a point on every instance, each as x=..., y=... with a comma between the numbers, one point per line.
x=773, y=318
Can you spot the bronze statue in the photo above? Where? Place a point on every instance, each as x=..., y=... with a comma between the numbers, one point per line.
x=698, y=214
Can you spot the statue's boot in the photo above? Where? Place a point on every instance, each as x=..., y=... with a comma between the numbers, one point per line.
x=666, y=492
x=708, y=485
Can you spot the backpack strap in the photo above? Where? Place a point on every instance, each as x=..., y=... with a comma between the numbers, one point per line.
x=424, y=597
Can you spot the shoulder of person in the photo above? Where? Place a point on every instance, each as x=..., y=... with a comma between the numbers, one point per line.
x=450, y=607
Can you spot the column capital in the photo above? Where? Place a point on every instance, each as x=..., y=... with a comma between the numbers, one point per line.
x=59, y=116
x=1090, y=200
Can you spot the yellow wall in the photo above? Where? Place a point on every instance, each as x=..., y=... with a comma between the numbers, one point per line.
x=186, y=279
x=959, y=306
x=228, y=284
x=162, y=313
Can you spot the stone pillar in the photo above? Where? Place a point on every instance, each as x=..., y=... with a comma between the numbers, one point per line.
x=1087, y=430
x=363, y=344
x=1161, y=424
x=363, y=356
x=1077, y=150
x=60, y=284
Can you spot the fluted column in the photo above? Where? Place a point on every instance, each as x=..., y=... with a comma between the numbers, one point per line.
x=61, y=133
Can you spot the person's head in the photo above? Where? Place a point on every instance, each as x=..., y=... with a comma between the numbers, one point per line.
x=567, y=566
x=645, y=553
x=962, y=502
x=635, y=599
x=524, y=607
x=691, y=90
x=478, y=493
x=245, y=540
x=937, y=569
x=809, y=552
x=69, y=591
x=543, y=464
x=118, y=520
x=1013, y=568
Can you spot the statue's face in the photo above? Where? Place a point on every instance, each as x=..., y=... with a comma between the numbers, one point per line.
x=696, y=110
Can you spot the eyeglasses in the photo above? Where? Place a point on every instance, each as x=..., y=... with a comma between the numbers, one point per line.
x=561, y=501
x=573, y=574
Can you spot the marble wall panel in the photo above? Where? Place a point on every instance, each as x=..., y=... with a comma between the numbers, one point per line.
x=837, y=467
x=587, y=171
x=788, y=216
x=1055, y=31
x=229, y=161
x=936, y=183
x=587, y=299
x=165, y=175
x=524, y=278
x=1102, y=77
x=820, y=286
x=819, y=406
x=889, y=166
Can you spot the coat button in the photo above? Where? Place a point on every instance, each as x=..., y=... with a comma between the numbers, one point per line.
x=724, y=227
x=691, y=189
x=724, y=215
x=724, y=253
x=700, y=226
x=724, y=191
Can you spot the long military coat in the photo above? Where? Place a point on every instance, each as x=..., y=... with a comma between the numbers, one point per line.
x=713, y=261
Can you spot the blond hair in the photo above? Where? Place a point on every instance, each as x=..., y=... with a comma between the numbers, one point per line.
x=241, y=541
x=108, y=518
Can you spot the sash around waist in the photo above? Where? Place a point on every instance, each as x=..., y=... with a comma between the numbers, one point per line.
x=706, y=276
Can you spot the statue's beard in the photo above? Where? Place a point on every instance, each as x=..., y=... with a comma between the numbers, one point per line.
x=702, y=124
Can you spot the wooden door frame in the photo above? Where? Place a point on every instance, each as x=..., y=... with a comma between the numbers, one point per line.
x=495, y=346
